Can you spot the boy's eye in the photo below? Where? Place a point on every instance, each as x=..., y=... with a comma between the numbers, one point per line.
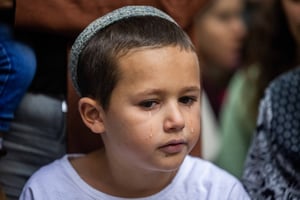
x=188, y=100
x=148, y=104
x=224, y=16
x=229, y=16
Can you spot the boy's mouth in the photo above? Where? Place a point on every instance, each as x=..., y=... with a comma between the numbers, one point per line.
x=173, y=146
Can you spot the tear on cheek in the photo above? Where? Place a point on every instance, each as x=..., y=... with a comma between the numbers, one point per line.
x=150, y=132
x=150, y=136
x=191, y=126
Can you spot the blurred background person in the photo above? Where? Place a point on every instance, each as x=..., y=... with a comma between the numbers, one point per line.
x=220, y=31
x=272, y=167
x=17, y=69
x=272, y=47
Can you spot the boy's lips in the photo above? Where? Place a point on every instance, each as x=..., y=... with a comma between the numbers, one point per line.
x=173, y=146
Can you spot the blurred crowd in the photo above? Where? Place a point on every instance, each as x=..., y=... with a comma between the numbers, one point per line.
x=242, y=45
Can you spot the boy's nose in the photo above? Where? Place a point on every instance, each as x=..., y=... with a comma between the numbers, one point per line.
x=174, y=120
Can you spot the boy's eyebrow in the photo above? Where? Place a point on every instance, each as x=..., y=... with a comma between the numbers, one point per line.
x=150, y=91
x=191, y=88
x=160, y=91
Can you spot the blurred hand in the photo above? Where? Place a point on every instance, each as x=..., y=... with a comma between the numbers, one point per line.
x=6, y=4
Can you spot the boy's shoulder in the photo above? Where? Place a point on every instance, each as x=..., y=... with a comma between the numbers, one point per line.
x=204, y=171
x=55, y=169
x=50, y=178
x=211, y=181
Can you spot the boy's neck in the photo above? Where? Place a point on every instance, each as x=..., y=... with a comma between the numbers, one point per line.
x=116, y=181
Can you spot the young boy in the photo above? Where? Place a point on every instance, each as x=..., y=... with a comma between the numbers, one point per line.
x=139, y=78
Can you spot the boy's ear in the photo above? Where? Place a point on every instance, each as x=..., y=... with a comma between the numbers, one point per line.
x=92, y=114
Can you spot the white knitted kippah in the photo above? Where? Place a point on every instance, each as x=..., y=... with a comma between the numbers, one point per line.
x=102, y=22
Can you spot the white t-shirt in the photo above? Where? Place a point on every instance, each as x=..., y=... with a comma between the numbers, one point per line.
x=196, y=179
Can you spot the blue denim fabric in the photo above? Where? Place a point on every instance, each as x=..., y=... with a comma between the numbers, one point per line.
x=17, y=69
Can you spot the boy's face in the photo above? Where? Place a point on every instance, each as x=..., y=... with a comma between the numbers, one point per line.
x=153, y=120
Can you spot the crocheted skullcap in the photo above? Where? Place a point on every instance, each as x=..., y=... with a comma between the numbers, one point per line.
x=102, y=22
